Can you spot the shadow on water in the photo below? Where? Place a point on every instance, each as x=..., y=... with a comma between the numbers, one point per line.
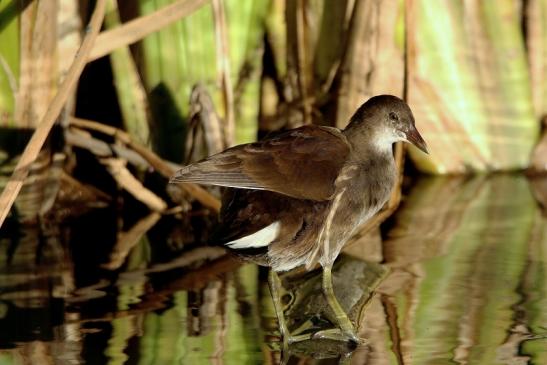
x=463, y=281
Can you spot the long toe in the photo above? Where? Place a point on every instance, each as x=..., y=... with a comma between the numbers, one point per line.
x=335, y=334
x=353, y=337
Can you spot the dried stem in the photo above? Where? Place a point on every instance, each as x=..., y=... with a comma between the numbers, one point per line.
x=304, y=73
x=42, y=131
x=125, y=178
x=223, y=59
x=82, y=139
x=139, y=28
x=164, y=168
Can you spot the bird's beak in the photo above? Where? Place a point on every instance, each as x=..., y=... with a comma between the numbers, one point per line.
x=414, y=137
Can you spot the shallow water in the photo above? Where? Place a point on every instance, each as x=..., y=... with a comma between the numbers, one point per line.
x=465, y=283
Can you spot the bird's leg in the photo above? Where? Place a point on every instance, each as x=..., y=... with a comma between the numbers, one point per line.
x=340, y=315
x=275, y=291
x=287, y=337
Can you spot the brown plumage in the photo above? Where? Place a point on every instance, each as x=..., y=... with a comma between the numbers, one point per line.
x=286, y=164
x=318, y=183
x=300, y=195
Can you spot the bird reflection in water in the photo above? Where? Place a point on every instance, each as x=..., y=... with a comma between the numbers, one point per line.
x=305, y=311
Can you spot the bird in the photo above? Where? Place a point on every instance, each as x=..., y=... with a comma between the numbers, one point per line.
x=295, y=198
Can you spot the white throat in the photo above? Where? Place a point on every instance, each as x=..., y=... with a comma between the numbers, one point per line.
x=384, y=139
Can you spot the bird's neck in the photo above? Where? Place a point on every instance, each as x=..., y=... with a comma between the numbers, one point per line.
x=368, y=144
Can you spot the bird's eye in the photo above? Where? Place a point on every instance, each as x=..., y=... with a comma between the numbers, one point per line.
x=393, y=116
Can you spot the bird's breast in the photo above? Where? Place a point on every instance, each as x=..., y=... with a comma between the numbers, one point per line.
x=366, y=193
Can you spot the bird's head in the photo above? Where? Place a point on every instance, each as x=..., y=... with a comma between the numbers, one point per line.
x=386, y=119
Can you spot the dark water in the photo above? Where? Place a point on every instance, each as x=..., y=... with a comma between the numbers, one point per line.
x=460, y=278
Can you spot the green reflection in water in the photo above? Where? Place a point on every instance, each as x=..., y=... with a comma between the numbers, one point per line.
x=534, y=288
x=471, y=241
x=163, y=333
x=243, y=337
x=468, y=284
x=122, y=331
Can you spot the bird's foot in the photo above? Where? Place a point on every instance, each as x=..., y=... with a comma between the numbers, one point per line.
x=335, y=334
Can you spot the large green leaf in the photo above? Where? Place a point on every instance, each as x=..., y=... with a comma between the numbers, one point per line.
x=131, y=96
x=9, y=60
x=469, y=86
x=466, y=244
x=184, y=54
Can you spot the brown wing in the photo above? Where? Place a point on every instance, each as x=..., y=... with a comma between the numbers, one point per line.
x=302, y=163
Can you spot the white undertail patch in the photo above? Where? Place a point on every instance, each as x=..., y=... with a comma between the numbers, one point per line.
x=260, y=238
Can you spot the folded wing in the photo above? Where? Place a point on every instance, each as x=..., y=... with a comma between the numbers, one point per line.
x=301, y=163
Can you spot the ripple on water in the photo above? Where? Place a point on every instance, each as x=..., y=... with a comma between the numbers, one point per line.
x=467, y=285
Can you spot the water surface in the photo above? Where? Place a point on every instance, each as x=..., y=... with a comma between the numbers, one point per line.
x=465, y=283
